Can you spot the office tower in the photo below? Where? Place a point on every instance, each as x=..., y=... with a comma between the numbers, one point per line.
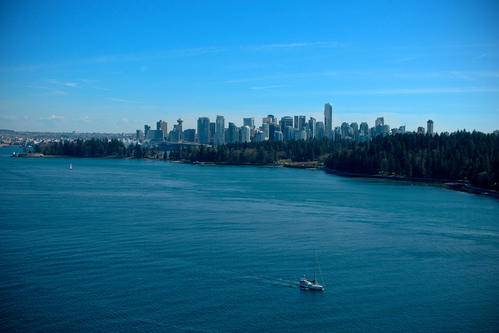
x=219, y=138
x=299, y=122
x=265, y=129
x=190, y=135
x=286, y=121
x=156, y=135
x=429, y=127
x=420, y=130
x=402, y=129
x=162, y=126
x=288, y=133
x=320, y=130
x=328, y=120
x=278, y=136
x=379, y=125
x=379, y=122
x=312, y=128
x=204, y=130
x=147, y=128
x=231, y=133
x=250, y=122
x=272, y=118
x=364, y=128
x=140, y=135
x=259, y=136
x=245, y=132
x=212, y=133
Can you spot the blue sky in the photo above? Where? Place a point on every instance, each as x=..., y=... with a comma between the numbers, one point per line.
x=117, y=65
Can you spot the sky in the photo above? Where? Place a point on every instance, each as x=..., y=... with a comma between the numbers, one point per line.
x=114, y=66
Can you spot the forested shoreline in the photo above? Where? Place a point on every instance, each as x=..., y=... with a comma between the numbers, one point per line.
x=468, y=156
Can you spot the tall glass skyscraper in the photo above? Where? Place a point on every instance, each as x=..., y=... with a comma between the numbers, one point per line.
x=204, y=130
x=328, y=120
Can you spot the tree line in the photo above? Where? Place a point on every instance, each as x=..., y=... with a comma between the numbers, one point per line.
x=98, y=148
x=459, y=156
x=472, y=156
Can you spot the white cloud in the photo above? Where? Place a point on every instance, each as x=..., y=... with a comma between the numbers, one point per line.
x=52, y=117
x=8, y=117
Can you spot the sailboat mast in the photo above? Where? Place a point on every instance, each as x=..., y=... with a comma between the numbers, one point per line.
x=315, y=264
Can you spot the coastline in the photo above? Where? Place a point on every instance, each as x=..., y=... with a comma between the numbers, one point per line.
x=455, y=185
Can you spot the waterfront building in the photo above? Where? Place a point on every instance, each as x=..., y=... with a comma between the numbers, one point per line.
x=139, y=135
x=328, y=119
x=162, y=126
x=178, y=132
x=429, y=127
x=147, y=128
x=190, y=135
x=156, y=135
x=204, y=130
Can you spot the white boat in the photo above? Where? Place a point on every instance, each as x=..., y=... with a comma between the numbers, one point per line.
x=313, y=285
x=70, y=166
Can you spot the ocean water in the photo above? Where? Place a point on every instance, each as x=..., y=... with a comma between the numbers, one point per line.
x=126, y=246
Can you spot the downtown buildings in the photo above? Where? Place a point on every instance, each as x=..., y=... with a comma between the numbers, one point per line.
x=273, y=129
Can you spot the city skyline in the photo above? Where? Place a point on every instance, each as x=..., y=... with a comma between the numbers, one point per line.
x=115, y=66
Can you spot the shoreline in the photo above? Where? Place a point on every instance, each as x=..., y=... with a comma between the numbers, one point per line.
x=455, y=185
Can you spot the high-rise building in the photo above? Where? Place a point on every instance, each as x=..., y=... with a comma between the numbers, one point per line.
x=245, y=133
x=299, y=122
x=379, y=126
x=231, y=133
x=204, y=130
x=147, y=128
x=250, y=122
x=286, y=121
x=328, y=120
x=162, y=126
x=219, y=138
x=420, y=130
x=140, y=135
x=265, y=129
x=190, y=135
x=429, y=127
x=312, y=128
x=320, y=129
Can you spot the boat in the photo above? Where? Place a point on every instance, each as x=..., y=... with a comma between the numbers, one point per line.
x=70, y=166
x=313, y=285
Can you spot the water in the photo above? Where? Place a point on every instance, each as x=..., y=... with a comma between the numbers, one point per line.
x=124, y=245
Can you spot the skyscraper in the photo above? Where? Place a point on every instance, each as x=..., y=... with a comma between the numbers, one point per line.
x=162, y=126
x=204, y=130
x=220, y=131
x=429, y=127
x=250, y=122
x=328, y=120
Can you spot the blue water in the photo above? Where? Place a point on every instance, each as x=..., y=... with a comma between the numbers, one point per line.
x=125, y=245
